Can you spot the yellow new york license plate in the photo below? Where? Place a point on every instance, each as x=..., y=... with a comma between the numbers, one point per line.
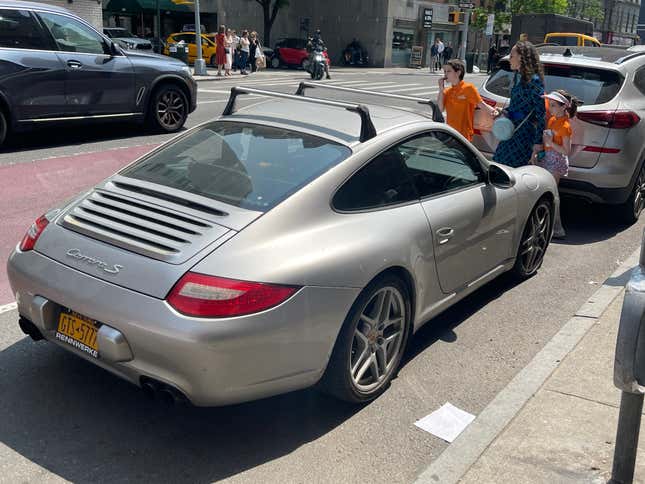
x=79, y=332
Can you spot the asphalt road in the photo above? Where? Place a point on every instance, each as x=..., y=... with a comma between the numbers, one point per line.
x=65, y=420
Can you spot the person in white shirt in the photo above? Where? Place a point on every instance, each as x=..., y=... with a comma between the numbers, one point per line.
x=440, y=49
x=234, y=43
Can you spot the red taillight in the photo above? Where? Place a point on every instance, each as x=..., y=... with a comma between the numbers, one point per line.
x=490, y=102
x=600, y=149
x=610, y=119
x=216, y=297
x=30, y=238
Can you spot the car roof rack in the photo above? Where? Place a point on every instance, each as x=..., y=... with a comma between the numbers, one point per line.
x=368, y=131
x=629, y=56
x=436, y=112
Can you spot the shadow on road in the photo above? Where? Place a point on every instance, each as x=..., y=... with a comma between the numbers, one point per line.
x=54, y=137
x=587, y=223
x=85, y=425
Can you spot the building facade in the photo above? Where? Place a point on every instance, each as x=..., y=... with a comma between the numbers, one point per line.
x=89, y=10
x=621, y=21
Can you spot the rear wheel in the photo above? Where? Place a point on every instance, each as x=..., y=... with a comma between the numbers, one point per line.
x=631, y=210
x=275, y=62
x=213, y=61
x=4, y=127
x=168, y=109
x=371, y=343
x=535, y=240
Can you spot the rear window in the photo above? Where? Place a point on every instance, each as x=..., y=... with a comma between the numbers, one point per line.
x=245, y=165
x=563, y=40
x=589, y=85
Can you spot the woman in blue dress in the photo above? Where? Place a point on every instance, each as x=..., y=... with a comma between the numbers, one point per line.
x=526, y=100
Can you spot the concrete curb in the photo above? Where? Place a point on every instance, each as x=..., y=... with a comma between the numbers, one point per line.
x=457, y=459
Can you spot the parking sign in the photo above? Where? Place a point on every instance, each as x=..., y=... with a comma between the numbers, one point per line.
x=427, y=18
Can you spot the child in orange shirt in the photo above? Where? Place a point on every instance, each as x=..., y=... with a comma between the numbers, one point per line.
x=460, y=100
x=557, y=142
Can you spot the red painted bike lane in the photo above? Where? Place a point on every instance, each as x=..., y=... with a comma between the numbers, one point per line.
x=30, y=189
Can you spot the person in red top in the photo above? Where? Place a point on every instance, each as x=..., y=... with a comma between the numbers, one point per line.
x=557, y=142
x=460, y=100
x=220, y=49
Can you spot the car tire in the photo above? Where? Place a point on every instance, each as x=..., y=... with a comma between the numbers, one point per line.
x=275, y=62
x=361, y=348
x=4, y=127
x=213, y=61
x=631, y=210
x=168, y=109
x=535, y=240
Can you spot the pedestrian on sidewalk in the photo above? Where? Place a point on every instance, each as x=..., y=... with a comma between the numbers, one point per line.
x=557, y=143
x=433, y=57
x=461, y=99
x=235, y=52
x=526, y=109
x=244, y=52
x=229, y=52
x=253, y=48
x=220, y=49
x=492, y=55
x=440, y=49
x=447, y=52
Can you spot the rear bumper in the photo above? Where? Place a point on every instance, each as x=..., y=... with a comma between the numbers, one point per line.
x=213, y=362
x=592, y=193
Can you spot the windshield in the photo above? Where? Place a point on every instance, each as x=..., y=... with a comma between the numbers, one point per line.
x=245, y=165
x=589, y=85
x=118, y=33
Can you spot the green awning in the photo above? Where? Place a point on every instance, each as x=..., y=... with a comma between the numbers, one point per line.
x=138, y=6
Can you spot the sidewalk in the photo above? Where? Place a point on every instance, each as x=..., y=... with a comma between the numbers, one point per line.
x=566, y=432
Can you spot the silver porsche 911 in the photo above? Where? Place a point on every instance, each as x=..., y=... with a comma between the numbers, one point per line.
x=292, y=243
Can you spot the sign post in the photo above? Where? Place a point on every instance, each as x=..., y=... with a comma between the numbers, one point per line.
x=427, y=18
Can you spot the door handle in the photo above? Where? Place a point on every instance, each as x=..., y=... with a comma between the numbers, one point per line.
x=74, y=64
x=445, y=233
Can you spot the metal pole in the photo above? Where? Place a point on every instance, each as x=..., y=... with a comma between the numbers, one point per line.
x=464, y=47
x=157, y=34
x=200, y=65
x=629, y=422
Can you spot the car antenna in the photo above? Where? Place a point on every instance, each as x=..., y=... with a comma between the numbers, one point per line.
x=567, y=53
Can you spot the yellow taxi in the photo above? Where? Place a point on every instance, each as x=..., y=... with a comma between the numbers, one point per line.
x=571, y=39
x=208, y=46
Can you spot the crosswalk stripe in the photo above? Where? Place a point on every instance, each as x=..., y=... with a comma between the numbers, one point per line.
x=399, y=86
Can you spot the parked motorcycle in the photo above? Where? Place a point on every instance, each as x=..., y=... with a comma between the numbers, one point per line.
x=355, y=55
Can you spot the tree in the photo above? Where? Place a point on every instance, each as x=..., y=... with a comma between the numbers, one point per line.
x=270, y=9
x=519, y=7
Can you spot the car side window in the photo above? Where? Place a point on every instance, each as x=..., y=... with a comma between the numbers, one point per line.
x=19, y=30
x=589, y=43
x=72, y=36
x=639, y=80
x=380, y=183
x=438, y=163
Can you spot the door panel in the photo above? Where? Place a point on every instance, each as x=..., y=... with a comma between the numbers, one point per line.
x=31, y=74
x=471, y=221
x=96, y=81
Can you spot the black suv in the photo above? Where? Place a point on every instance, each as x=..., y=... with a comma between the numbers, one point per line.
x=56, y=68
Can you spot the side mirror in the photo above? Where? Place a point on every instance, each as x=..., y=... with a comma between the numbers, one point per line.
x=115, y=49
x=500, y=177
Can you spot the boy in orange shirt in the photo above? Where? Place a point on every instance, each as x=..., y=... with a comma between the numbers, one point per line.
x=460, y=100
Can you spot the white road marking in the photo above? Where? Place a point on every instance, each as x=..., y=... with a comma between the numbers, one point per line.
x=420, y=88
x=8, y=307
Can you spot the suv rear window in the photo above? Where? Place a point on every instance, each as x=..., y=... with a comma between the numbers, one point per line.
x=245, y=165
x=588, y=84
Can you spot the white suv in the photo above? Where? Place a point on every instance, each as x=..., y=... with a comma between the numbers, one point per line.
x=608, y=131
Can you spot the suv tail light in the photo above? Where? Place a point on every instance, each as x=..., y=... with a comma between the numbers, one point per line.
x=216, y=297
x=490, y=102
x=29, y=240
x=610, y=119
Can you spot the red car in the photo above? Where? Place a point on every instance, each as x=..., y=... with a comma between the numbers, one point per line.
x=291, y=52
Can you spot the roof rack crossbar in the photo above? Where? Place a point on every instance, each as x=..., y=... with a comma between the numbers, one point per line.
x=629, y=56
x=368, y=131
x=436, y=112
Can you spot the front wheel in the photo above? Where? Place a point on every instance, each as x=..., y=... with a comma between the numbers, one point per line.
x=305, y=64
x=371, y=342
x=631, y=210
x=535, y=240
x=168, y=109
x=275, y=62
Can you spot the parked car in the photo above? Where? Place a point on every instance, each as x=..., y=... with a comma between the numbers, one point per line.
x=276, y=248
x=126, y=39
x=208, y=46
x=291, y=52
x=56, y=68
x=571, y=39
x=608, y=131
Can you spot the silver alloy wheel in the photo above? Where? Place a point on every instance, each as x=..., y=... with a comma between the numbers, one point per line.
x=639, y=193
x=171, y=110
x=535, y=239
x=377, y=341
x=305, y=64
x=275, y=62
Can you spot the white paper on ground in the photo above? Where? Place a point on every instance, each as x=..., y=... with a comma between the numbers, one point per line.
x=446, y=423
